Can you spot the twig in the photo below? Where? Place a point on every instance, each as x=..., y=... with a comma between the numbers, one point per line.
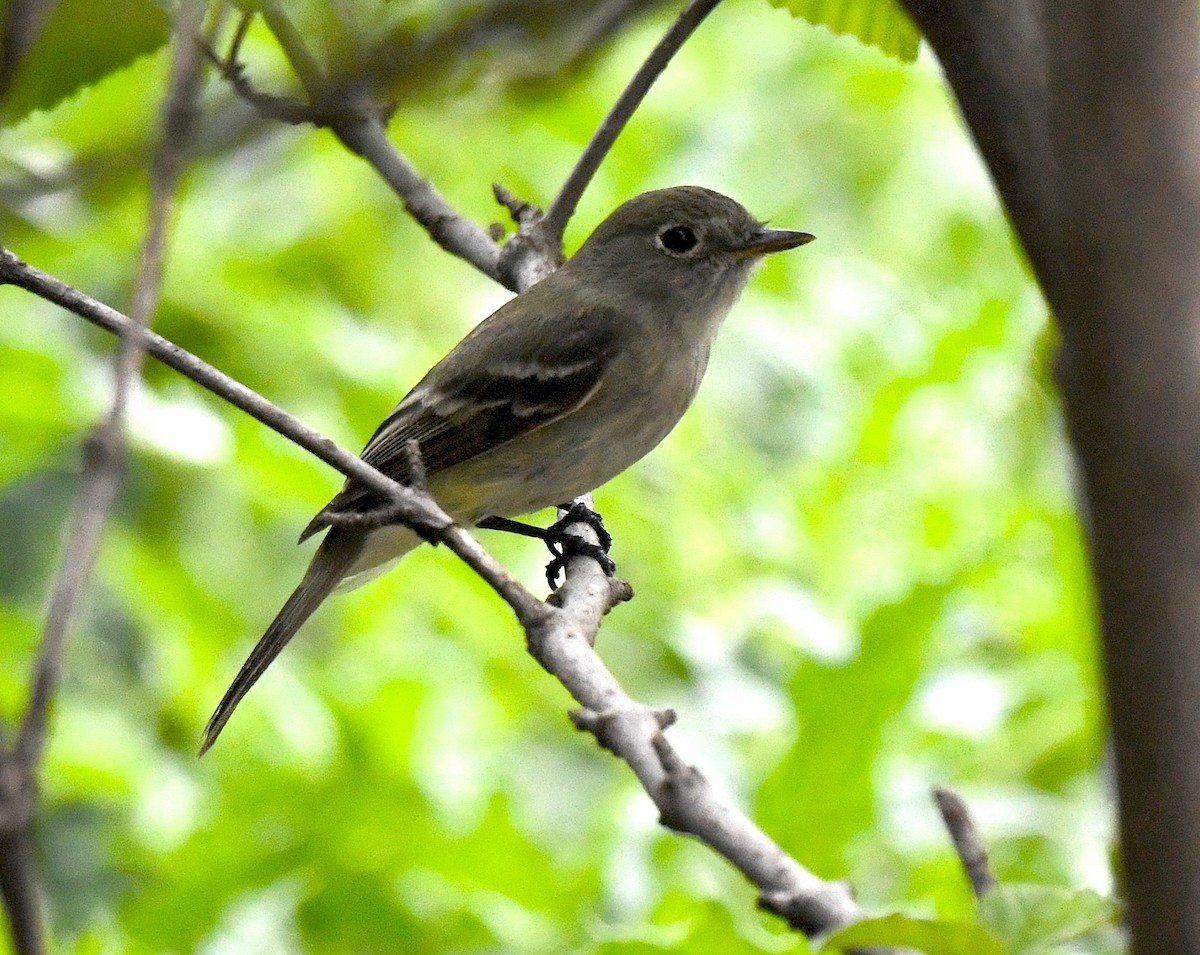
x=308, y=71
x=19, y=884
x=105, y=448
x=239, y=36
x=361, y=127
x=366, y=137
x=968, y=843
x=563, y=206
x=103, y=457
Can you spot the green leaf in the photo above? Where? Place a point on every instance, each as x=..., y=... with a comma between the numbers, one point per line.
x=83, y=42
x=1032, y=918
x=925, y=935
x=878, y=23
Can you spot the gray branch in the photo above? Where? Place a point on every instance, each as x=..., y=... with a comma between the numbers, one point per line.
x=968, y=843
x=363, y=132
x=103, y=459
x=563, y=206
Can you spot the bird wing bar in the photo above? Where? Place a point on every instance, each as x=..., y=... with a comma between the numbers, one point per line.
x=472, y=402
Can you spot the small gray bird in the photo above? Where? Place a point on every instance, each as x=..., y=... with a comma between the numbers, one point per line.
x=558, y=391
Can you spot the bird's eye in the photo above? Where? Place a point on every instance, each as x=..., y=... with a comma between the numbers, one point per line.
x=678, y=240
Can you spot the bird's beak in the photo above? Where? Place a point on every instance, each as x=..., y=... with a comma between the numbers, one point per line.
x=766, y=241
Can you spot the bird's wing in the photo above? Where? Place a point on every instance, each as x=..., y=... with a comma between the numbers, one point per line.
x=503, y=380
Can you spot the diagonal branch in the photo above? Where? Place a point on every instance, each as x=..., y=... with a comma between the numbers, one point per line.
x=363, y=132
x=105, y=449
x=968, y=843
x=414, y=508
x=563, y=206
x=360, y=125
x=560, y=634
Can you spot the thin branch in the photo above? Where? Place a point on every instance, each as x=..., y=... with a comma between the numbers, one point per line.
x=308, y=71
x=19, y=885
x=366, y=137
x=563, y=206
x=968, y=843
x=633, y=732
x=361, y=127
x=104, y=454
x=105, y=448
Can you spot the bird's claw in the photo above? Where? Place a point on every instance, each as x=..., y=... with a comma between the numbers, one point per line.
x=579, y=513
x=564, y=546
x=573, y=546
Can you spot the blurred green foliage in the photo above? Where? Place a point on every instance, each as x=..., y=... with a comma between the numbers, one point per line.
x=858, y=565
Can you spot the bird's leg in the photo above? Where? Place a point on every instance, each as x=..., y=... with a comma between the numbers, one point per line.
x=509, y=526
x=561, y=544
x=564, y=546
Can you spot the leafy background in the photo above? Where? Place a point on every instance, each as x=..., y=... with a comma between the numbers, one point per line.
x=858, y=565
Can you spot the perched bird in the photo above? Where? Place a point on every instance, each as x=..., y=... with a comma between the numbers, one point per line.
x=558, y=391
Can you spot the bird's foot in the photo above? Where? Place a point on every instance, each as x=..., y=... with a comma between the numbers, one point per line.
x=579, y=513
x=564, y=546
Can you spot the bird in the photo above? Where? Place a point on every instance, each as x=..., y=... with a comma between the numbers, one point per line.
x=555, y=393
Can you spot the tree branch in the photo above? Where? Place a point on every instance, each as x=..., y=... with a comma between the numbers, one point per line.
x=348, y=111
x=563, y=206
x=103, y=458
x=364, y=134
x=360, y=127
x=968, y=843
x=560, y=636
x=20, y=888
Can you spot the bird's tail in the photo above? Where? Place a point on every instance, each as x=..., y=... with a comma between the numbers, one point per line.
x=333, y=559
